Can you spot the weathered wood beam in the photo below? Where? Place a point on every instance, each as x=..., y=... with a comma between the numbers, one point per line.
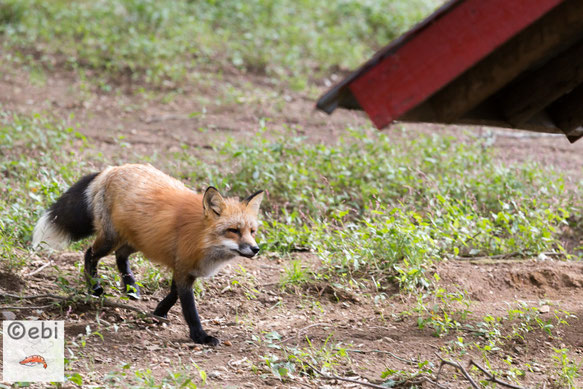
x=540, y=123
x=567, y=113
x=561, y=26
x=521, y=100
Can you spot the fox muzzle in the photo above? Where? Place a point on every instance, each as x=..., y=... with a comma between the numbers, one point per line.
x=248, y=251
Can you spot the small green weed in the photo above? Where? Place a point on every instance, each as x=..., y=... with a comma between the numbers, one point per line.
x=445, y=312
x=178, y=377
x=246, y=282
x=568, y=370
x=294, y=274
x=395, y=378
x=525, y=318
x=287, y=362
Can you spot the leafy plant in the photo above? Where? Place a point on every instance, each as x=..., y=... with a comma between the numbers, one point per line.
x=569, y=370
x=295, y=273
x=446, y=312
x=179, y=377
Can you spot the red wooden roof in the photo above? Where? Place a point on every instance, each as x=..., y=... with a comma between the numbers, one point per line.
x=508, y=63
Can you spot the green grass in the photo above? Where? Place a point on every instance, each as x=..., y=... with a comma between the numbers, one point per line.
x=568, y=369
x=35, y=170
x=295, y=274
x=180, y=376
x=161, y=41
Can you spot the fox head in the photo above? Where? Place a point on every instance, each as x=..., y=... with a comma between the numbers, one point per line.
x=234, y=222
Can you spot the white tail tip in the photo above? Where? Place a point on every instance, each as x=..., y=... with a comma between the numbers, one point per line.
x=47, y=235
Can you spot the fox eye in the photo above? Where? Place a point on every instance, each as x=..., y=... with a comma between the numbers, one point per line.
x=234, y=231
x=253, y=231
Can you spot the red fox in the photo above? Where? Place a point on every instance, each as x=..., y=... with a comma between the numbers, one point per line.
x=134, y=208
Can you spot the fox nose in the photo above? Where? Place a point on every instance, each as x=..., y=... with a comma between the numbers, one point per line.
x=246, y=250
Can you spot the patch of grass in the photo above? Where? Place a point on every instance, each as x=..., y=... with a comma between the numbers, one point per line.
x=160, y=41
x=396, y=377
x=287, y=363
x=246, y=282
x=493, y=336
x=152, y=276
x=527, y=318
x=181, y=377
x=35, y=170
x=444, y=312
x=294, y=274
x=568, y=369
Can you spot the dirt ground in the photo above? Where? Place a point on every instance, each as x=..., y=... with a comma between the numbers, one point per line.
x=253, y=318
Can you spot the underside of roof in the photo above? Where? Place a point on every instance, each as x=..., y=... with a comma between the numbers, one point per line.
x=515, y=64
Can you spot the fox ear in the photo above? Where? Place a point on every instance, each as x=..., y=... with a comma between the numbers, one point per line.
x=254, y=201
x=212, y=202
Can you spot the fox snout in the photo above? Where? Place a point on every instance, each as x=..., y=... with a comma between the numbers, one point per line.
x=247, y=250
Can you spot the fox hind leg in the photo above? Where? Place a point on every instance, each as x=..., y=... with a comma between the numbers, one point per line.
x=101, y=247
x=168, y=302
x=122, y=255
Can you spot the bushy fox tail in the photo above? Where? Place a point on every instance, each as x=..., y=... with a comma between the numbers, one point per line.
x=70, y=218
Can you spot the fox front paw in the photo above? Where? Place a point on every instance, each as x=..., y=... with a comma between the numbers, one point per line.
x=96, y=290
x=160, y=318
x=132, y=291
x=205, y=339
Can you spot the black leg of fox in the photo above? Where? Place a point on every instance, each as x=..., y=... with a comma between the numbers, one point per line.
x=123, y=265
x=100, y=249
x=168, y=302
x=186, y=295
x=93, y=282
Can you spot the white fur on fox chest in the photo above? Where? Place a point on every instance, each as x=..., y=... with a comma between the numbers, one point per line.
x=216, y=258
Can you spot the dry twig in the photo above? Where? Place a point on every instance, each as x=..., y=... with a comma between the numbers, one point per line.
x=335, y=377
x=17, y=308
x=38, y=296
x=38, y=270
x=404, y=360
x=112, y=304
x=458, y=367
x=494, y=379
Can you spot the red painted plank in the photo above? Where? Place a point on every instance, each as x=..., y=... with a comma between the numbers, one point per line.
x=440, y=52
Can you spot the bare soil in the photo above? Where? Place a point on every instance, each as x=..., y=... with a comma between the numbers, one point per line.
x=254, y=318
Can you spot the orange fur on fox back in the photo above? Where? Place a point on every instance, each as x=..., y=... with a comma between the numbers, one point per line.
x=151, y=211
x=159, y=216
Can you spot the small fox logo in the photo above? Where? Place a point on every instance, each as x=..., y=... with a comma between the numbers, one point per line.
x=134, y=208
x=34, y=360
